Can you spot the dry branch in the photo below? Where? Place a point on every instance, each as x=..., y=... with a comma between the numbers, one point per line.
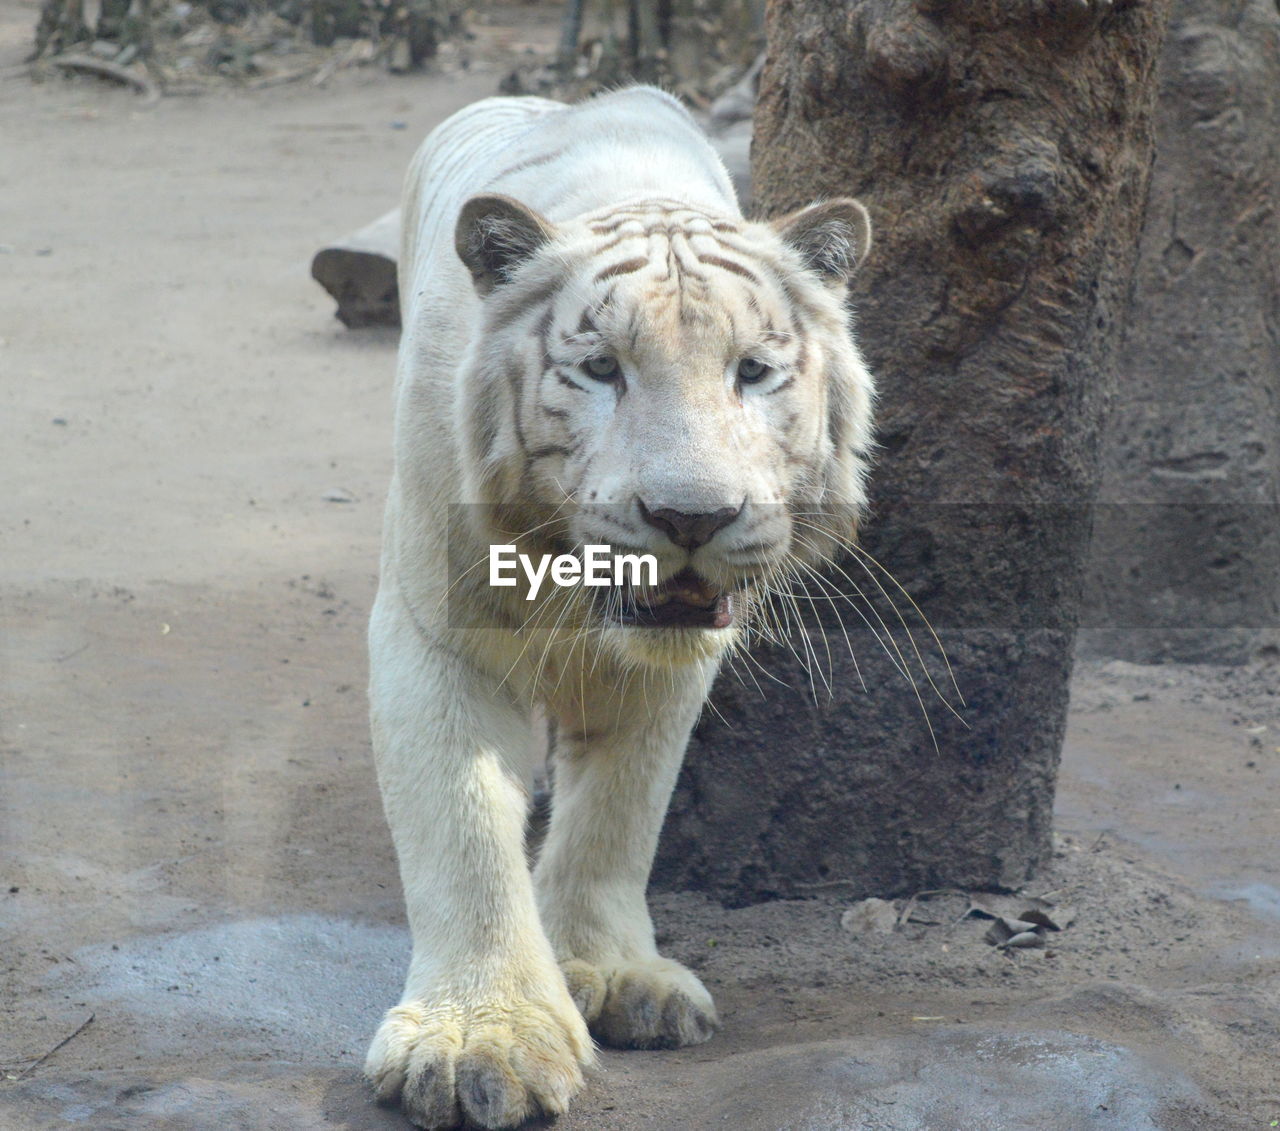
x=86, y=64
x=30, y=1068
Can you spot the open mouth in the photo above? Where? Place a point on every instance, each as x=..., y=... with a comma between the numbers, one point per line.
x=684, y=600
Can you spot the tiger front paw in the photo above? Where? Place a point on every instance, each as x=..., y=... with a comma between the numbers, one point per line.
x=492, y=1064
x=646, y=1004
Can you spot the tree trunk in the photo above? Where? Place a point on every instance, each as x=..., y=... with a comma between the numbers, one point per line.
x=570, y=34
x=1186, y=548
x=1003, y=148
x=61, y=26
x=647, y=49
x=111, y=17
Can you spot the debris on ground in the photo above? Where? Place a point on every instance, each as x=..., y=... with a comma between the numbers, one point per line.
x=186, y=47
x=870, y=917
x=1019, y=921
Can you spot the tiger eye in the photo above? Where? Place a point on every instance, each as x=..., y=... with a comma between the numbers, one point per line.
x=752, y=370
x=602, y=368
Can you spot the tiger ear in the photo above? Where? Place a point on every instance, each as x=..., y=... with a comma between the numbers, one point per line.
x=833, y=238
x=494, y=235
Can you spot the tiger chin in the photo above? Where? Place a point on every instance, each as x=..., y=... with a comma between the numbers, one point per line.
x=597, y=349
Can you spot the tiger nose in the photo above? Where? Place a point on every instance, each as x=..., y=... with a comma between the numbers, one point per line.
x=688, y=530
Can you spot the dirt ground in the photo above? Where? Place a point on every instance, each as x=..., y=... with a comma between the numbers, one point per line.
x=193, y=854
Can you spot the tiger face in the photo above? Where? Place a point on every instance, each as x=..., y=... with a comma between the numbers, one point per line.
x=668, y=382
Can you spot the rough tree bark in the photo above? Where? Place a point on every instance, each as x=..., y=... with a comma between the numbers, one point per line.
x=1187, y=543
x=1003, y=148
x=61, y=26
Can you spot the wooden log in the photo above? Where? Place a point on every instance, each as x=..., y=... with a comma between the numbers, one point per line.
x=359, y=271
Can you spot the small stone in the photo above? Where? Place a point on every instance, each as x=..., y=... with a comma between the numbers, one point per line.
x=1004, y=929
x=1024, y=939
x=870, y=917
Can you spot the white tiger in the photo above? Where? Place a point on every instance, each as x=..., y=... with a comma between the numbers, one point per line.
x=597, y=349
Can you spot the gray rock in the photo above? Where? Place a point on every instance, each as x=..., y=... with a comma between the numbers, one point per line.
x=1185, y=554
x=870, y=917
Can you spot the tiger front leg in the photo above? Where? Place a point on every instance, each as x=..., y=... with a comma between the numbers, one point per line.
x=611, y=792
x=486, y=1033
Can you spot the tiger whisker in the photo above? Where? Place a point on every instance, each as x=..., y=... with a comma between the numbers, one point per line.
x=476, y=565
x=840, y=621
x=907, y=629
x=915, y=687
x=854, y=548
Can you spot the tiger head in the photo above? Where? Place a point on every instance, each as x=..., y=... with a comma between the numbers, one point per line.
x=668, y=381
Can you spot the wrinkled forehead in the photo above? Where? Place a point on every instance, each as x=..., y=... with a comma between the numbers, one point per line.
x=620, y=223
x=668, y=274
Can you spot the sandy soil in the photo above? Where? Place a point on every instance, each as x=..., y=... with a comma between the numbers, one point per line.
x=193, y=850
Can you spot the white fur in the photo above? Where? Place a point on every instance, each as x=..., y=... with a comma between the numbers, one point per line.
x=508, y=969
